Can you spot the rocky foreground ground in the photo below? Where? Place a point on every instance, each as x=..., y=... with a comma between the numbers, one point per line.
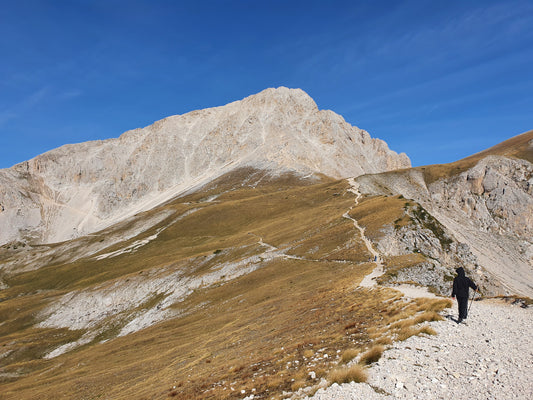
x=489, y=357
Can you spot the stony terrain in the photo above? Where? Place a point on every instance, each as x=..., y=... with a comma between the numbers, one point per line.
x=488, y=358
x=79, y=189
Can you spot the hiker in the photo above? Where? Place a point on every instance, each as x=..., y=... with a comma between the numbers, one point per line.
x=461, y=286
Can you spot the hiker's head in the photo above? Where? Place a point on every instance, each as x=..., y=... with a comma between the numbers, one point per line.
x=460, y=271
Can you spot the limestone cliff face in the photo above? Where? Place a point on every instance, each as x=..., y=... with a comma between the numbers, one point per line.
x=79, y=189
x=496, y=195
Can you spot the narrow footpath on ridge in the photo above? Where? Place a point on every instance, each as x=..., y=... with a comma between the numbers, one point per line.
x=370, y=279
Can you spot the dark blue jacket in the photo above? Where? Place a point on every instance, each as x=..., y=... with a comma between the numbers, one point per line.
x=461, y=284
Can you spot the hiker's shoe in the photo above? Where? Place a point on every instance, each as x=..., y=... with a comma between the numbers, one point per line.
x=459, y=320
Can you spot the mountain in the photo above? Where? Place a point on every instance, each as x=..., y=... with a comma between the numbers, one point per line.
x=227, y=258
x=79, y=189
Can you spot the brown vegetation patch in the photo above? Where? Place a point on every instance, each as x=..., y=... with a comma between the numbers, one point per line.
x=354, y=373
x=392, y=265
x=374, y=213
x=515, y=147
x=348, y=355
x=260, y=330
x=372, y=355
x=428, y=316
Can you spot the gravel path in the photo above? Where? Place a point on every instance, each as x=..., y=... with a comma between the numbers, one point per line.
x=370, y=279
x=490, y=357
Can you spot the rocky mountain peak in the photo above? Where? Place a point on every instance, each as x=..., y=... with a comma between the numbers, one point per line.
x=79, y=189
x=285, y=97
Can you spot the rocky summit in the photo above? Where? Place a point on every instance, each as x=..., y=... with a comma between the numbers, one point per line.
x=82, y=188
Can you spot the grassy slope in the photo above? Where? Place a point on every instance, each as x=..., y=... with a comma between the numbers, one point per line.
x=516, y=147
x=240, y=334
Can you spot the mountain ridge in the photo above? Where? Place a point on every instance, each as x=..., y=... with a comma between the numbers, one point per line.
x=81, y=188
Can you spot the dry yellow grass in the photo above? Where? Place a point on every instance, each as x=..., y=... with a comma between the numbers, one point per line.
x=298, y=384
x=435, y=305
x=409, y=331
x=375, y=212
x=354, y=373
x=428, y=330
x=348, y=355
x=308, y=353
x=428, y=316
x=393, y=264
x=403, y=324
x=401, y=314
x=233, y=332
x=372, y=355
x=406, y=333
x=384, y=340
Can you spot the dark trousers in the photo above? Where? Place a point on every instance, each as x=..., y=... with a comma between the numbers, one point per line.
x=463, y=307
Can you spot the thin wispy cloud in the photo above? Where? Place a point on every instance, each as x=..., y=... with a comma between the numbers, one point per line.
x=70, y=94
x=24, y=107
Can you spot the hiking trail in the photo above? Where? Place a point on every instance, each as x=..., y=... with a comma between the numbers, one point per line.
x=369, y=280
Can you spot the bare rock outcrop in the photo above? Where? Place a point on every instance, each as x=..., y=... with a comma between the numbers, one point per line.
x=82, y=188
x=497, y=194
x=442, y=253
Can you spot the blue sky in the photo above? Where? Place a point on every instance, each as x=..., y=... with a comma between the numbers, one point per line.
x=437, y=80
